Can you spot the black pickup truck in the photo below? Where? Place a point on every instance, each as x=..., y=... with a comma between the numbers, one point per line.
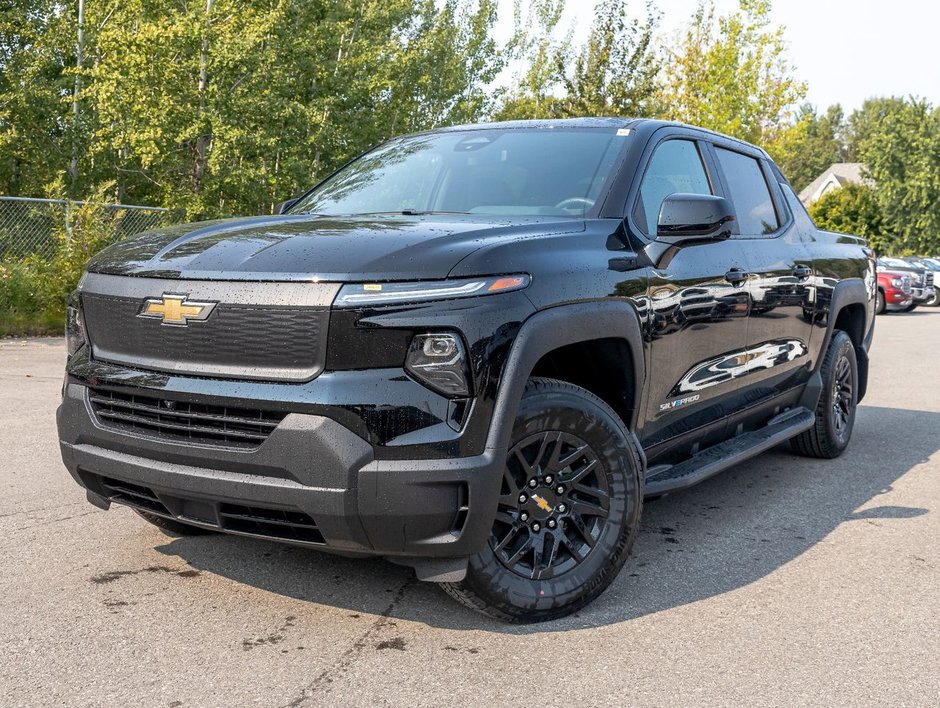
x=473, y=351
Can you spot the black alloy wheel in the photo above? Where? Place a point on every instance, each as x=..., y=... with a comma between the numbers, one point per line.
x=554, y=504
x=569, y=506
x=843, y=396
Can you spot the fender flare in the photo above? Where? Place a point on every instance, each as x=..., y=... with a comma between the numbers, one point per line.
x=851, y=291
x=556, y=327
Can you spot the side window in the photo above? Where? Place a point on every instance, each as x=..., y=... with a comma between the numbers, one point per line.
x=676, y=167
x=749, y=193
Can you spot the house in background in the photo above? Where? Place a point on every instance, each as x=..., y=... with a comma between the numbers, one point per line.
x=838, y=175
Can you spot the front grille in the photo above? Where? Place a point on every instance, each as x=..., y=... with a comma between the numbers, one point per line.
x=261, y=331
x=183, y=421
x=928, y=278
x=235, y=341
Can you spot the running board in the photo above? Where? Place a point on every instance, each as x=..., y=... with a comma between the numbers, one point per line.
x=720, y=457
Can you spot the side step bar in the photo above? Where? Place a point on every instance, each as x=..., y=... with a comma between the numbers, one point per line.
x=720, y=457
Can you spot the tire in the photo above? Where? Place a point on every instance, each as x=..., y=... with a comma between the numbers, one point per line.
x=583, y=513
x=933, y=300
x=172, y=527
x=880, y=306
x=835, y=413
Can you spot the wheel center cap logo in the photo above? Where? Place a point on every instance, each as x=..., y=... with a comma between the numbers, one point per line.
x=542, y=503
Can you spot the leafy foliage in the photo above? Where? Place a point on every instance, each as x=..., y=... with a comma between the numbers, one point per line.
x=852, y=209
x=219, y=107
x=806, y=148
x=614, y=73
x=34, y=290
x=899, y=142
x=731, y=74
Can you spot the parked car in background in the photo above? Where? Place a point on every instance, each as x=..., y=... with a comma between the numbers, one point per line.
x=894, y=292
x=922, y=279
x=930, y=265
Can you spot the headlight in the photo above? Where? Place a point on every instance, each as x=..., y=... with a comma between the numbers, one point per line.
x=440, y=362
x=359, y=294
x=897, y=282
x=74, y=325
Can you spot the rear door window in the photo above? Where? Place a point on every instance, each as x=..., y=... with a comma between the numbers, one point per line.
x=747, y=187
x=676, y=167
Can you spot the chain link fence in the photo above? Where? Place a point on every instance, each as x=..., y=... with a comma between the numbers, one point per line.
x=34, y=226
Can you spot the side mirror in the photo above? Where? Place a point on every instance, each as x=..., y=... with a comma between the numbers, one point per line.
x=694, y=217
x=284, y=206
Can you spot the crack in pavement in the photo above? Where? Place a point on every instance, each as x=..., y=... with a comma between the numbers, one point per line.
x=349, y=657
x=56, y=521
x=42, y=508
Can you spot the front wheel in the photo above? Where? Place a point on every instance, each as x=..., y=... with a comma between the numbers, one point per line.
x=933, y=300
x=880, y=304
x=568, y=513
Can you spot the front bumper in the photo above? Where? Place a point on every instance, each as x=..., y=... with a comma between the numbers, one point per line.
x=897, y=299
x=922, y=295
x=312, y=482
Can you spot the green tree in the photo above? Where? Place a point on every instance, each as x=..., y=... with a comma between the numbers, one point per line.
x=37, y=46
x=542, y=56
x=613, y=73
x=731, y=73
x=853, y=209
x=813, y=142
x=898, y=140
x=227, y=106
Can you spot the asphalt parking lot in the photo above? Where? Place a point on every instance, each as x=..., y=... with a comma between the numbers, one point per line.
x=784, y=581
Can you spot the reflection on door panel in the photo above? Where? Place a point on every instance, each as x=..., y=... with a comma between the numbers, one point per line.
x=736, y=364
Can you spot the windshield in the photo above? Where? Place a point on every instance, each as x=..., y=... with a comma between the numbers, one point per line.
x=513, y=172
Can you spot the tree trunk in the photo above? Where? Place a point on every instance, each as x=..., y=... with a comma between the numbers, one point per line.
x=202, y=141
x=76, y=108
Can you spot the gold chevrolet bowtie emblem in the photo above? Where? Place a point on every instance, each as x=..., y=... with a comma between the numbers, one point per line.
x=175, y=309
x=542, y=504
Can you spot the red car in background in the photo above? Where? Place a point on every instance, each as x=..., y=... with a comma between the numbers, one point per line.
x=894, y=291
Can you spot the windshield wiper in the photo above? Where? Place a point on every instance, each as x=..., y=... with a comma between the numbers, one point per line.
x=411, y=212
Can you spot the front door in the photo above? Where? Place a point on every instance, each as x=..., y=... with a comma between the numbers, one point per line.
x=698, y=316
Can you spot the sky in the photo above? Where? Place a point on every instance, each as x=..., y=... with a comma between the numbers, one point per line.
x=845, y=51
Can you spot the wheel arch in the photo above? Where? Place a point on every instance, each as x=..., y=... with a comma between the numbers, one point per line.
x=572, y=333
x=850, y=311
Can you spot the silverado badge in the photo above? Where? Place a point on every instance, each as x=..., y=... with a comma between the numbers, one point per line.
x=175, y=309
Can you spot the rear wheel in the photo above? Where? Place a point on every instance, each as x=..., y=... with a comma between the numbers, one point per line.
x=171, y=526
x=835, y=412
x=568, y=511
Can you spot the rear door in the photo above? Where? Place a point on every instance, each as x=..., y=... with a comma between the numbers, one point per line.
x=780, y=276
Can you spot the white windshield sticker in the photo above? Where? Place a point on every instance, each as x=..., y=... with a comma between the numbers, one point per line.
x=623, y=132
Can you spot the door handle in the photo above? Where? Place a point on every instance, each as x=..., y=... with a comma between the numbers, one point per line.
x=736, y=276
x=802, y=272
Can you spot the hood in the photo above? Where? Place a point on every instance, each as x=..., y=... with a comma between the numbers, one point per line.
x=308, y=247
